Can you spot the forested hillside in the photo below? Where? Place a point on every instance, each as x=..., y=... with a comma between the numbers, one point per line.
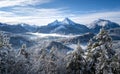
x=99, y=58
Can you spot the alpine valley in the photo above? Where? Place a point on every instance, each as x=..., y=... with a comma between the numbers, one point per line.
x=58, y=33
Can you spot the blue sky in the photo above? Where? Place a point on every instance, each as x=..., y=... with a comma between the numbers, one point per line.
x=42, y=12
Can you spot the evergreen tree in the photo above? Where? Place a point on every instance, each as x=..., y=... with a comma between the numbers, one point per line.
x=40, y=64
x=115, y=63
x=23, y=64
x=77, y=63
x=7, y=55
x=99, y=54
x=53, y=61
x=23, y=51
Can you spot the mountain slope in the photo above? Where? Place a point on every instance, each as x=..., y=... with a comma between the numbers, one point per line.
x=57, y=45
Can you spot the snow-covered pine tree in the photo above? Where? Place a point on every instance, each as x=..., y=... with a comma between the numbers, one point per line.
x=53, y=66
x=7, y=55
x=23, y=64
x=76, y=64
x=40, y=64
x=23, y=51
x=115, y=63
x=99, y=53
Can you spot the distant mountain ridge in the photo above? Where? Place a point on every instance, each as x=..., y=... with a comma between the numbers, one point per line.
x=17, y=28
x=67, y=26
x=12, y=28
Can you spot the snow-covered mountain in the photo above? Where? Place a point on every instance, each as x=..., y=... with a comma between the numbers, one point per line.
x=12, y=28
x=17, y=28
x=30, y=28
x=67, y=21
x=96, y=25
x=66, y=26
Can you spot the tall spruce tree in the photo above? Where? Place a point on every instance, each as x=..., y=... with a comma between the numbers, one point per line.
x=53, y=61
x=99, y=54
x=76, y=64
x=7, y=55
x=22, y=64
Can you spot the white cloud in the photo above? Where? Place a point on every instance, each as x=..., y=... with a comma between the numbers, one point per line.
x=88, y=18
x=44, y=16
x=7, y=3
x=31, y=15
x=42, y=12
x=6, y=14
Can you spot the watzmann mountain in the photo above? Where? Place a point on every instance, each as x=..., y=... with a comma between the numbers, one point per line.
x=66, y=26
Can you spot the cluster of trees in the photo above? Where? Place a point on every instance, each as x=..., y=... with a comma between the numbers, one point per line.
x=99, y=58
